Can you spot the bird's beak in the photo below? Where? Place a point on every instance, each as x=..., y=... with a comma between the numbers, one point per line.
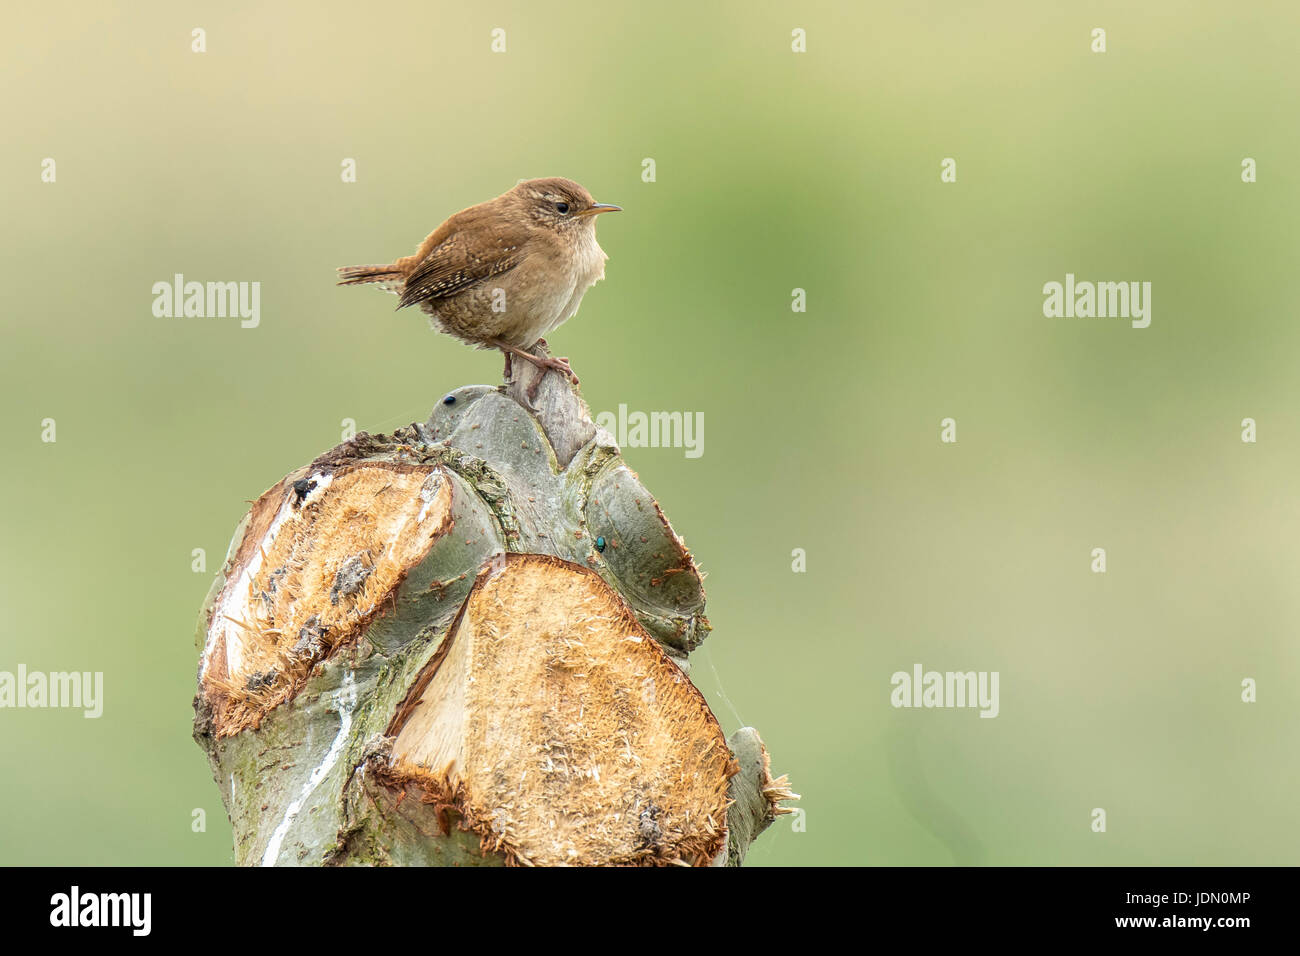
x=598, y=207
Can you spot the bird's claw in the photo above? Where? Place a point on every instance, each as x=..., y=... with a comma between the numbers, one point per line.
x=550, y=364
x=562, y=365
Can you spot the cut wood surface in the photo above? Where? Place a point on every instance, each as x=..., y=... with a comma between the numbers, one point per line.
x=560, y=731
x=466, y=644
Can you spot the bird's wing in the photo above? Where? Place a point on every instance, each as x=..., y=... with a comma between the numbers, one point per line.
x=455, y=264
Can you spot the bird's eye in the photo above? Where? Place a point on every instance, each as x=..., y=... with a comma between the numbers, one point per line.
x=562, y=207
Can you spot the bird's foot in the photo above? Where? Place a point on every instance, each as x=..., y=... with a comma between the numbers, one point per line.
x=545, y=363
x=550, y=364
x=561, y=365
x=558, y=364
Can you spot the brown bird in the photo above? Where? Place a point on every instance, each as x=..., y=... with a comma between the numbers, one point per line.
x=504, y=273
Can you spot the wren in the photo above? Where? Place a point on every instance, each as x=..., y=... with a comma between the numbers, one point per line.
x=504, y=273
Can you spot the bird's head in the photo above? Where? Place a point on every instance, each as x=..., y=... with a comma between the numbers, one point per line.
x=559, y=204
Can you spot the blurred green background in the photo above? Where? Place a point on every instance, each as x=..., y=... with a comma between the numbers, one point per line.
x=775, y=170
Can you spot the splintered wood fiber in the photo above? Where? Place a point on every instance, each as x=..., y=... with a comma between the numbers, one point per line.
x=326, y=565
x=561, y=731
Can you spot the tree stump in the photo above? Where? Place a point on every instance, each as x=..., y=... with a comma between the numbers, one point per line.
x=466, y=643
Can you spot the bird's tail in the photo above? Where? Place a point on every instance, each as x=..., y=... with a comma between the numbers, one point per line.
x=388, y=275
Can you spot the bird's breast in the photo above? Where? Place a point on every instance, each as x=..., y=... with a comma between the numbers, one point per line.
x=588, y=269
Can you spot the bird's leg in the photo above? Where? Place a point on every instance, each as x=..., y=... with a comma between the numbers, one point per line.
x=509, y=377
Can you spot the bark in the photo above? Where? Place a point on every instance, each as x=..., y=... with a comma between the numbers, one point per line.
x=465, y=643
